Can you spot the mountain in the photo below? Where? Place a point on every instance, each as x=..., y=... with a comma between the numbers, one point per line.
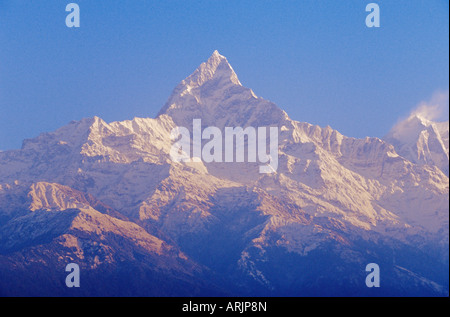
x=109, y=197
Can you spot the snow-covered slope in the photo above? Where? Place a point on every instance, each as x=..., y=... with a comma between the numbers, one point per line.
x=334, y=200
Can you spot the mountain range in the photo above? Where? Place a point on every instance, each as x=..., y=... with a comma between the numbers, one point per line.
x=108, y=197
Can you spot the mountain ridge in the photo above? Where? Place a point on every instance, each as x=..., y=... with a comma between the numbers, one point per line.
x=332, y=198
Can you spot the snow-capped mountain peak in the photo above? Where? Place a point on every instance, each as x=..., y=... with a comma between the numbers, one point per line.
x=214, y=94
x=216, y=67
x=421, y=141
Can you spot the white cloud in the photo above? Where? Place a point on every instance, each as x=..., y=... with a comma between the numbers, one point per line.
x=436, y=109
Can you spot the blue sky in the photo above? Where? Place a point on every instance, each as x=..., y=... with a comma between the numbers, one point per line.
x=315, y=59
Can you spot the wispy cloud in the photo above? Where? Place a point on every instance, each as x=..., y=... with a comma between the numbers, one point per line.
x=435, y=109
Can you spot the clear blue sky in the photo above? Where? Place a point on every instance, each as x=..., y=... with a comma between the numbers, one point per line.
x=315, y=59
